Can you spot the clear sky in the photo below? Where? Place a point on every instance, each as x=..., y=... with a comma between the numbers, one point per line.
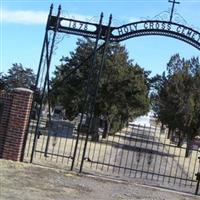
x=23, y=26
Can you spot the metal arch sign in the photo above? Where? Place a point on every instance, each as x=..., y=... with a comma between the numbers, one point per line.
x=127, y=31
x=156, y=27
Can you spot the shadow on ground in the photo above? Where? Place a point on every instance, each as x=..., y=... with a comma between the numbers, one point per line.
x=22, y=181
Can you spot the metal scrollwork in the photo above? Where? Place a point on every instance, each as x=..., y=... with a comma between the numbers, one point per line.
x=179, y=19
x=59, y=38
x=164, y=16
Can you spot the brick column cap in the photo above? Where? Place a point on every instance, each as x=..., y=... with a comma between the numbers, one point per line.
x=20, y=89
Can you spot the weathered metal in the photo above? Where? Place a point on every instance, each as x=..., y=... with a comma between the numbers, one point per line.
x=173, y=5
x=138, y=152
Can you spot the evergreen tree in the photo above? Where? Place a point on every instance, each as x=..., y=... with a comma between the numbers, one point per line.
x=2, y=82
x=18, y=76
x=123, y=88
x=176, y=101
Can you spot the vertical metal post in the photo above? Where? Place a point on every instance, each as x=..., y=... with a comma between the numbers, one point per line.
x=37, y=80
x=96, y=92
x=48, y=59
x=197, y=187
x=87, y=90
x=49, y=117
x=43, y=46
x=198, y=179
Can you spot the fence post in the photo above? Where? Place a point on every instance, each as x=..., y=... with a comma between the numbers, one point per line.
x=198, y=180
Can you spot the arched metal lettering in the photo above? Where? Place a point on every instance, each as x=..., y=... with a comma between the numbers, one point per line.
x=131, y=30
x=155, y=27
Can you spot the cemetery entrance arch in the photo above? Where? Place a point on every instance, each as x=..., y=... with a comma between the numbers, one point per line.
x=131, y=156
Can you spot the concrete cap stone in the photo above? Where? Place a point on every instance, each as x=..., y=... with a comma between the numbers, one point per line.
x=20, y=89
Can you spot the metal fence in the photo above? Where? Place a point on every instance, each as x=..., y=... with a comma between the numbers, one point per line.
x=139, y=152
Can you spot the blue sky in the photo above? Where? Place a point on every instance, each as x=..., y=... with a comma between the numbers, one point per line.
x=23, y=26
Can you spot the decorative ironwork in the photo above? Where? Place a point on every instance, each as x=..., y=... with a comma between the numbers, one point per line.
x=131, y=30
x=48, y=55
x=137, y=151
x=156, y=27
x=172, y=10
x=163, y=16
x=179, y=19
x=141, y=156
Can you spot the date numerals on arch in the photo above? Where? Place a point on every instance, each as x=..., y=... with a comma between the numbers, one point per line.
x=78, y=25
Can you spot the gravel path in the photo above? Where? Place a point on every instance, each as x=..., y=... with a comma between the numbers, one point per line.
x=22, y=181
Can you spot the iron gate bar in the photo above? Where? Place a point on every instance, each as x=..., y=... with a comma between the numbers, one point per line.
x=91, y=89
x=162, y=159
x=141, y=171
x=37, y=80
x=178, y=162
x=188, y=170
x=198, y=181
x=41, y=101
x=53, y=154
x=195, y=165
x=48, y=59
x=112, y=142
x=139, y=152
x=87, y=89
x=182, y=172
x=157, y=155
x=49, y=117
x=154, y=138
x=91, y=120
x=125, y=137
x=147, y=142
x=129, y=144
x=172, y=164
x=132, y=161
x=47, y=74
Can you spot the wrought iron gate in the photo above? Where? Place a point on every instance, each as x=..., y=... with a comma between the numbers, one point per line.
x=54, y=138
x=136, y=151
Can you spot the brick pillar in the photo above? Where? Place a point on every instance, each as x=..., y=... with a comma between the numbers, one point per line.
x=5, y=105
x=17, y=124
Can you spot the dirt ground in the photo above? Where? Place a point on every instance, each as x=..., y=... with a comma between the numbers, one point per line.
x=21, y=181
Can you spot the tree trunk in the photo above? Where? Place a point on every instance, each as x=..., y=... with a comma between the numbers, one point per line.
x=162, y=128
x=169, y=132
x=95, y=129
x=180, y=139
x=172, y=135
x=106, y=129
x=187, y=150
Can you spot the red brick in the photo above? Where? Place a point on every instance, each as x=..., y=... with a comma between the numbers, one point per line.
x=14, y=121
